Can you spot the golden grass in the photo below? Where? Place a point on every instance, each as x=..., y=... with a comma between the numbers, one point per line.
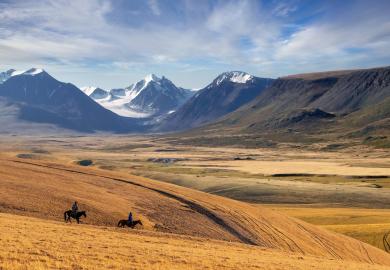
x=45, y=184
x=43, y=189
x=29, y=243
x=308, y=166
x=367, y=225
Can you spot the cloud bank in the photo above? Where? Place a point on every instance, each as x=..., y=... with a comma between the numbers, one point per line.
x=114, y=42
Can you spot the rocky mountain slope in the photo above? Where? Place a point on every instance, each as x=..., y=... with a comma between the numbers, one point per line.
x=225, y=94
x=36, y=97
x=151, y=96
x=346, y=103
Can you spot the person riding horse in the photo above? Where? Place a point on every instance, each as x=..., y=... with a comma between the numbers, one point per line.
x=130, y=219
x=129, y=222
x=75, y=208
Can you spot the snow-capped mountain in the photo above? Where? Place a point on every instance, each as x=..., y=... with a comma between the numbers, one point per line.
x=233, y=76
x=12, y=72
x=158, y=95
x=37, y=98
x=95, y=92
x=6, y=75
x=223, y=95
x=151, y=96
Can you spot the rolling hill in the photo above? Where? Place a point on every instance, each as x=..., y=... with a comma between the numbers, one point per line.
x=48, y=245
x=107, y=196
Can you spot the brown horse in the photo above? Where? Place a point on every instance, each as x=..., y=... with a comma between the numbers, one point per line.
x=123, y=222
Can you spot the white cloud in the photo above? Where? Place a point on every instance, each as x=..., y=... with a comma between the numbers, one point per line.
x=337, y=39
x=240, y=34
x=154, y=7
x=283, y=9
x=53, y=29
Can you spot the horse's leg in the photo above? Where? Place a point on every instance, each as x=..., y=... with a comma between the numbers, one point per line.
x=78, y=220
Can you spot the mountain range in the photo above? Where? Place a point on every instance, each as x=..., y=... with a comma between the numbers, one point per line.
x=226, y=93
x=151, y=96
x=33, y=96
x=316, y=106
x=350, y=103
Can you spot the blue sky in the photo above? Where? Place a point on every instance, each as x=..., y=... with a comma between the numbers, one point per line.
x=112, y=44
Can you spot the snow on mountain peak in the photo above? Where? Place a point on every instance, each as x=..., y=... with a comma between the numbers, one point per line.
x=33, y=71
x=240, y=77
x=12, y=72
x=88, y=90
x=234, y=76
x=151, y=77
x=95, y=92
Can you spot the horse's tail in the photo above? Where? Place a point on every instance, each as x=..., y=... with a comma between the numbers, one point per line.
x=65, y=215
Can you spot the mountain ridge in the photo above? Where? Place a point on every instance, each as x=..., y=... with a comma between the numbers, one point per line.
x=350, y=96
x=226, y=93
x=39, y=98
x=151, y=96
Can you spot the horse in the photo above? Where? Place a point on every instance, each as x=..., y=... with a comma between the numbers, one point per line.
x=68, y=215
x=123, y=222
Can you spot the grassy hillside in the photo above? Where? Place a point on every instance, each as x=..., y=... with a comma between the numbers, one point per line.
x=45, y=189
x=30, y=243
x=367, y=225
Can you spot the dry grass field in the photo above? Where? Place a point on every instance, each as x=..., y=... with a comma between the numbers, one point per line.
x=367, y=225
x=35, y=244
x=41, y=177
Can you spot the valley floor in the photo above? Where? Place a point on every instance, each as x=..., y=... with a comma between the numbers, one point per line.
x=345, y=191
x=29, y=243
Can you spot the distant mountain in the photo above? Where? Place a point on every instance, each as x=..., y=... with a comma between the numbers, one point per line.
x=304, y=107
x=6, y=75
x=152, y=96
x=36, y=97
x=226, y=93
x=158, y=95
x=316, y=106
x=12, y=72
x=95, y=92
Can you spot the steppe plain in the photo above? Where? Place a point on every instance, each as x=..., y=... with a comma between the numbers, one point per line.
x=264, y=208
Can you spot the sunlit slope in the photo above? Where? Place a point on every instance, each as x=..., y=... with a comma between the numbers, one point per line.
x=30, y=243
x=41, y=189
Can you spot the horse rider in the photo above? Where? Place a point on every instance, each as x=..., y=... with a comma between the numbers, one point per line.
x=130, y=219
x=75, y=208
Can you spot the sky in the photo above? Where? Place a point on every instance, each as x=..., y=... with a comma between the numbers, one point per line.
x=111, y=44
